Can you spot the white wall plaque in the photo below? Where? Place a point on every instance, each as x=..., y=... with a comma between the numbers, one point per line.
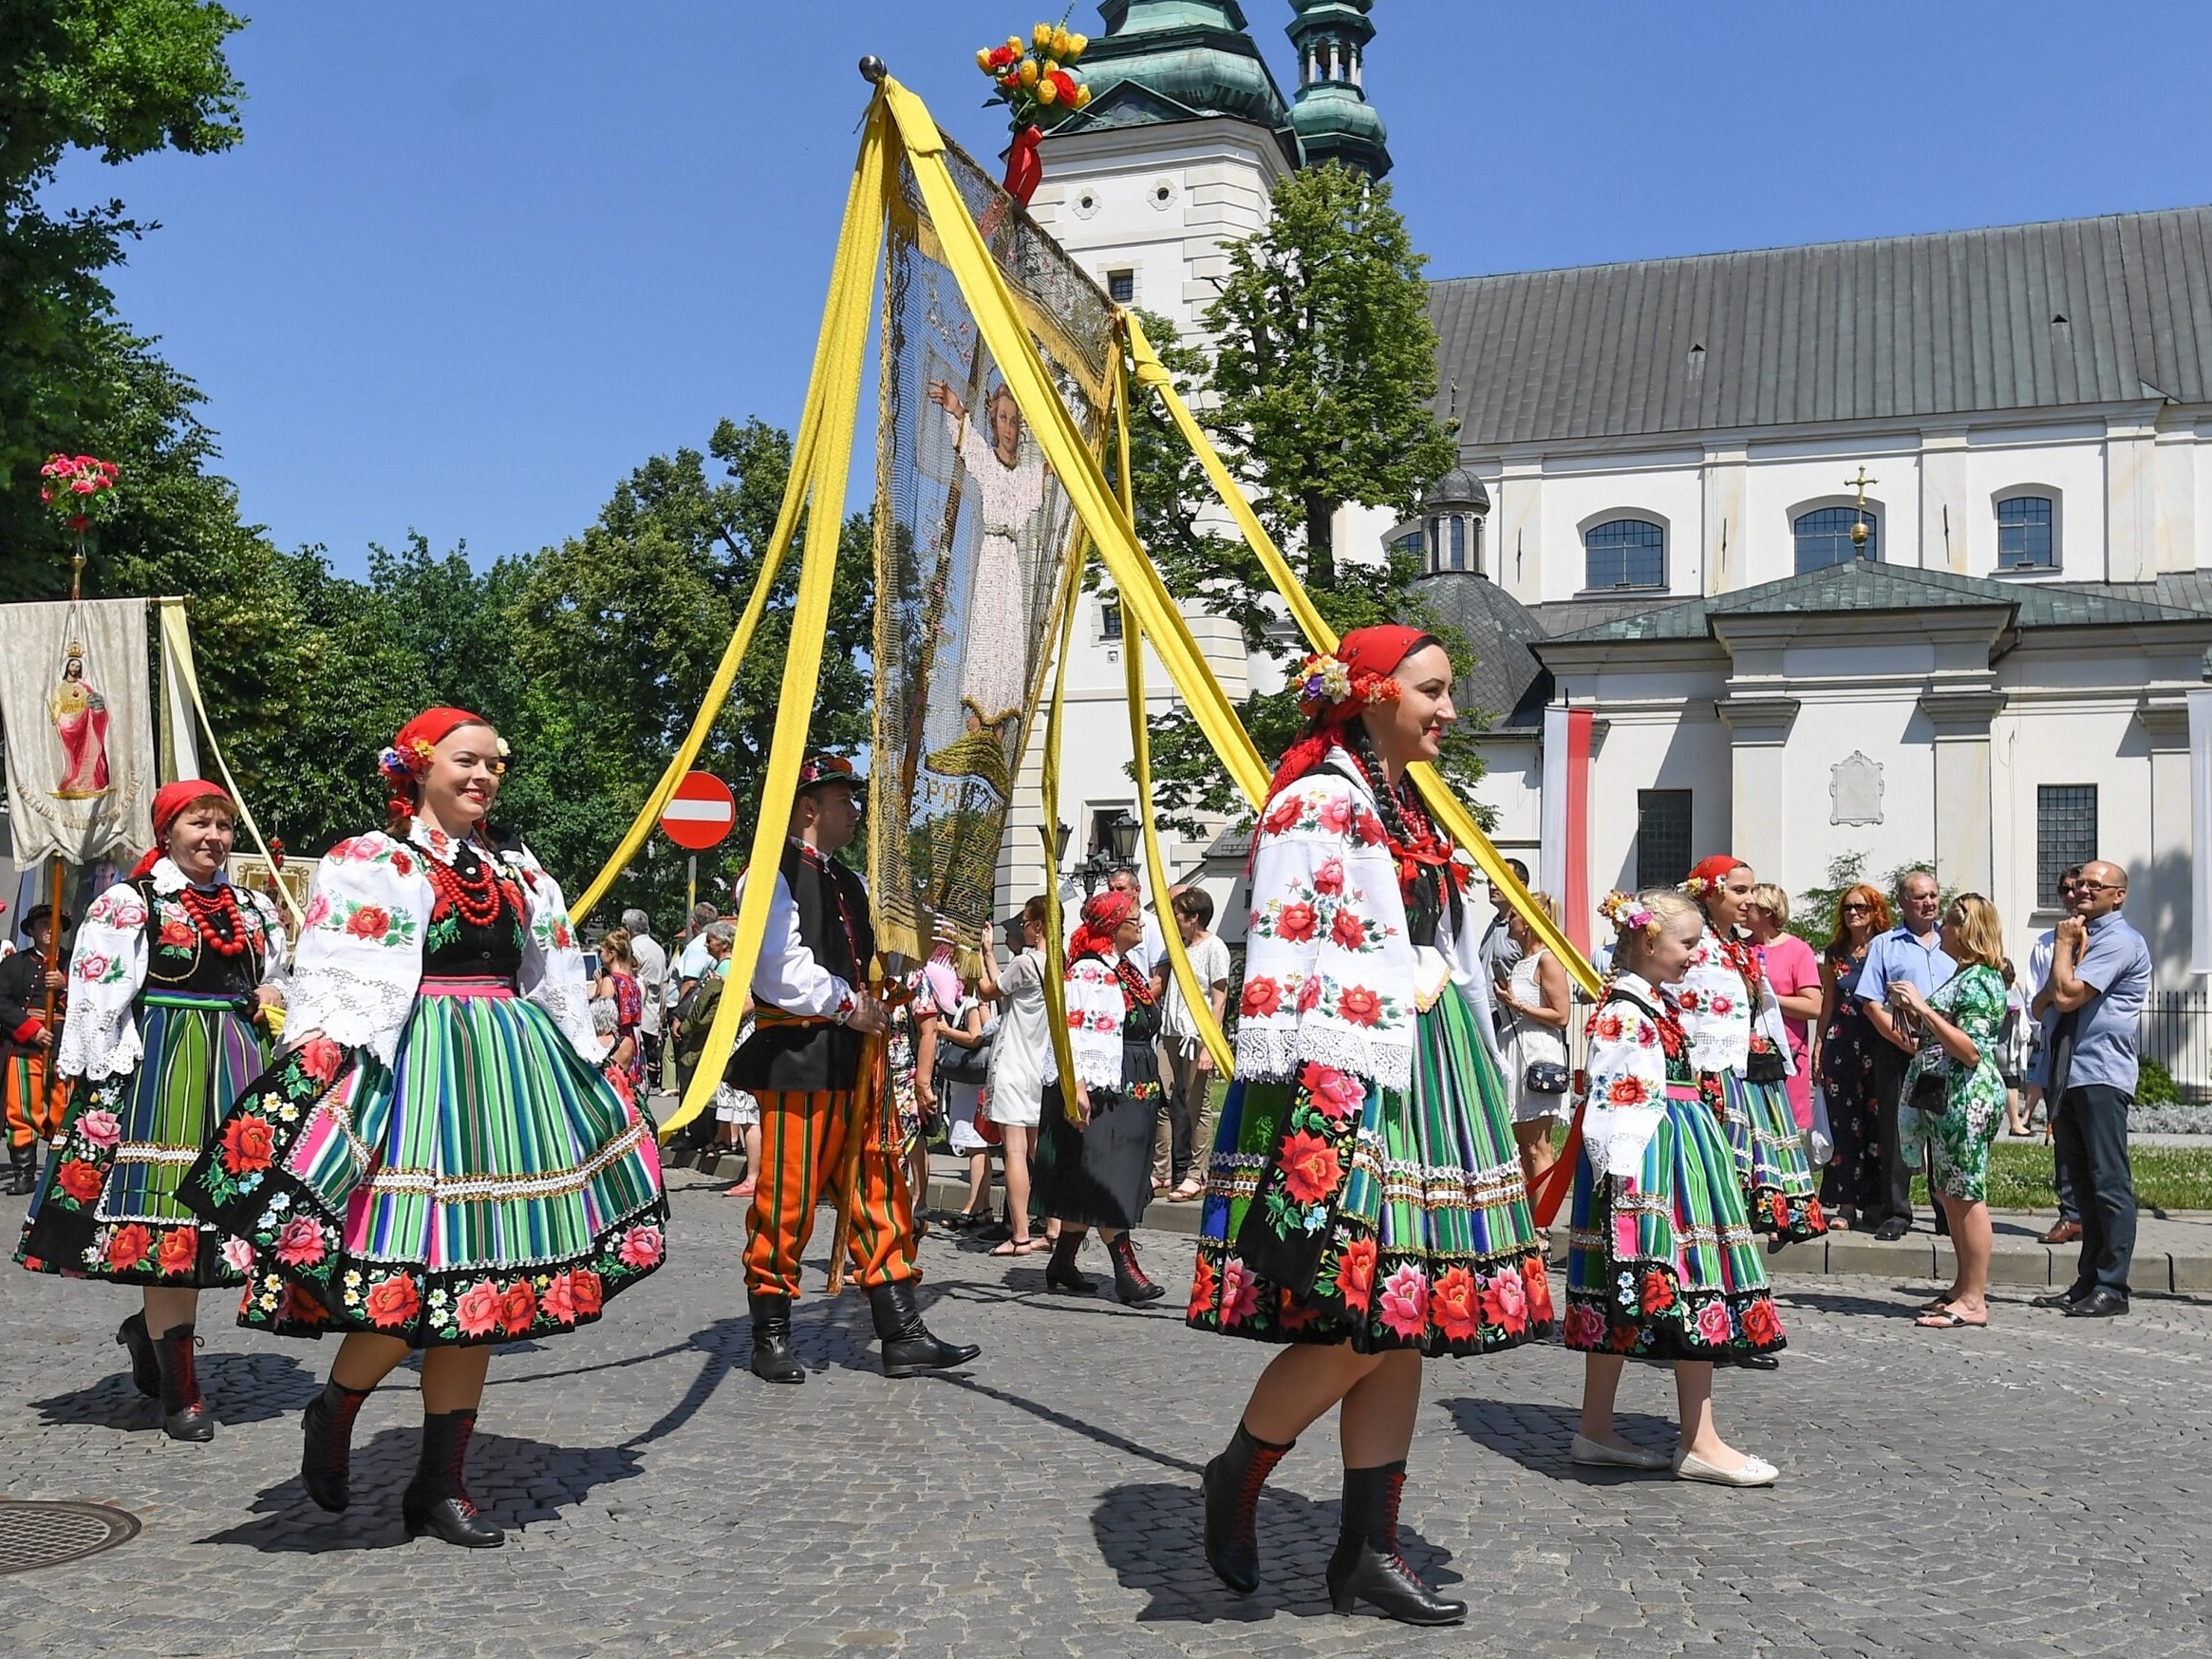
x=1854, y=790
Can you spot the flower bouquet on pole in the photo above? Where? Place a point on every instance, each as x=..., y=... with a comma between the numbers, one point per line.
x=80, y=491
x=1038, y=86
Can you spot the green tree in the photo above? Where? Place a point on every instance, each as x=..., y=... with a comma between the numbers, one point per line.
x=124, y=78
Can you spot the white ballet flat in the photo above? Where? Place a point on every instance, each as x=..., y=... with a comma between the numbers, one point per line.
x=1604, y=1455
x=1755, y=1471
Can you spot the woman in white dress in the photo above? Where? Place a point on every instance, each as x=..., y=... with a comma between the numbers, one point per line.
x=1018, y=1067
x=1537, y=998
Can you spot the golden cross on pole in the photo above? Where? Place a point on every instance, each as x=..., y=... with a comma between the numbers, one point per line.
x=1859, y=530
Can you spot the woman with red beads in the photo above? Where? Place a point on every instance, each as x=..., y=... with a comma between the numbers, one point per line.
x=1365, y=1203
x=172, y=973
x=441, y=1158
x=1094, y=1164
x=1741, y=1052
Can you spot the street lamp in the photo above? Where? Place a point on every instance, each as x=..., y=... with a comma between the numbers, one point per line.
x=1113, y=854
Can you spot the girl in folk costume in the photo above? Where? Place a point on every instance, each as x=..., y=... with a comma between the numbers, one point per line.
x=172, y=976
x=440, y=1160
x=1660, y=1260
x=1741, y=1051
x=1094, y=1168
x=1365, y=1202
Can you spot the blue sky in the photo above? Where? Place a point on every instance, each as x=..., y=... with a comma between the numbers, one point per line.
x=473, y=262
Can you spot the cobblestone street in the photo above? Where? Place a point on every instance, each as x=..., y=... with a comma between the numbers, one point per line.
x=2040, y=1487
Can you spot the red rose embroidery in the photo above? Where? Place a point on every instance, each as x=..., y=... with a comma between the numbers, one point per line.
x=1296, y=923
x=1310, y=1169
x=1284, y=814
x=1456, y=1304
x=179, y=1250
x=319, y=1059
x=1330, y=877
x=1336, y=814
x=248, y=1143
x=519, y=1307
x=1626, y=1091
x=1335, y=1094
x=1355, y=1274
x=1504, y=1302
x=393, y=1302
x=1309, y=993
x=1536, y=1280
x=1606, y=1027
x=1203, y=1285
x=302, y=1309
x=175, y=931
x=1656, y=1295
x=1359, y=1006
x=371, y=921
x=1263, y=998
x=79, y=1179
x=559, y=1300
x=1762, y=1326
x=128, y=1247
x=402, y=865
x=1347, y=932
x=1369, y=829
x=585, y=1288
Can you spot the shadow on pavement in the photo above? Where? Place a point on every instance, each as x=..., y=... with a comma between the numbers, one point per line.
x=1539, y=1437
x=1153, y=1535
x=239, y=1389
x=1908, y=1305
x=515, y=1482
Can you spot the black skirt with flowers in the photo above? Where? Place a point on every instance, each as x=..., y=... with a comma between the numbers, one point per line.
x=1338, y=1211
x=1101, y=1175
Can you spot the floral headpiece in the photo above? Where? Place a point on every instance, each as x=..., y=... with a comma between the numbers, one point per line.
x=1328, y=687
x=1630, y=915
x=403, y=763
x=1709, y=874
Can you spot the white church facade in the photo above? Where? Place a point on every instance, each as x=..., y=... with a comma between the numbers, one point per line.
x=1899, y=548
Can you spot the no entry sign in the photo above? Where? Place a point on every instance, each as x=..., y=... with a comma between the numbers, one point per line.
x=701, y=812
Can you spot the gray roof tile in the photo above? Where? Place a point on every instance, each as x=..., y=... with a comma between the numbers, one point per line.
x=1900, y=326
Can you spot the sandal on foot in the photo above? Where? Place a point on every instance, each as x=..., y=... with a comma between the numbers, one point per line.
x=1950, y=1321
x=1023, y=1247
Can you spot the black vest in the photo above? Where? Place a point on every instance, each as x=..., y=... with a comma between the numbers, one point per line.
x=833, y=924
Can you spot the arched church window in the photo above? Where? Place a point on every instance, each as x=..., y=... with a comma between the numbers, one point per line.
x=1626, y=552
x=2026, y=539
x=1824, y=537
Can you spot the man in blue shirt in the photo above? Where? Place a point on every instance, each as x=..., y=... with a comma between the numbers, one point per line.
x=1911, y=952
x=2100, y=978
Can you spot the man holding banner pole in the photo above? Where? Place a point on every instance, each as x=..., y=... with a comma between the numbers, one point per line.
x=31, y=986
x=815, y=1062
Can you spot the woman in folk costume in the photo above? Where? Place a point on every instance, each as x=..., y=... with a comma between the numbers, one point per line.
x=1365, y=1202
x=1741, y=1051
x=169, y=990
x=1661, y=1262
x=1095, y=1169
x=440, y=1159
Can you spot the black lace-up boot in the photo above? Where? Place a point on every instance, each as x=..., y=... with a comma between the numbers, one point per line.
x=436, y=1501
x=1231, y=1485
x=1367, y=1566
x=327, y=1458
x=183, y=1412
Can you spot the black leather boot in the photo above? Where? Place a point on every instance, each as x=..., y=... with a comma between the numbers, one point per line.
x=908, y=1349
x=436, y=1501
x=1059, y=1270
x=22, y=1170
x=328, y=1456
x=1231, y=1484
x=1129, y=1281
x=183, y=1412
x=145, y=1363
x=772, y=1361
x=1367, y=1566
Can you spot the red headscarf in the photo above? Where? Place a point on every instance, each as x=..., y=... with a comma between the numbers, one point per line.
x=404, y=762
x=1708, y=873
x=1103, y=912
x=169, y=803
x=1336, y=687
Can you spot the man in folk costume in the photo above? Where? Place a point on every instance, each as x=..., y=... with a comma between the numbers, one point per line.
x=36, y=1102
x=806, y=1062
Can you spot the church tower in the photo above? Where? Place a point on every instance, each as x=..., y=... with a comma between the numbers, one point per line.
x=1332, y=117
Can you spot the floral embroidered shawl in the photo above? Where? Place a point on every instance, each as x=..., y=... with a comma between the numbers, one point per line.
x=1624, y=1077
x=1721, y=1008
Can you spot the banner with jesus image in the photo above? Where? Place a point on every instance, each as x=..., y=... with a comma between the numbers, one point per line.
x=79, y=724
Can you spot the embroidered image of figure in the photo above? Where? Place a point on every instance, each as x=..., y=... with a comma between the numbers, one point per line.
x=79, y=716
x=1010, y=478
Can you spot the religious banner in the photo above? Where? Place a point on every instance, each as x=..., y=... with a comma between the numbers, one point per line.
x=75, y=699
x=975, y=540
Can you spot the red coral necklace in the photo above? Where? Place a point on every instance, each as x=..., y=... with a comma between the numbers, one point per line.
x=474, y=898
x=206, y=909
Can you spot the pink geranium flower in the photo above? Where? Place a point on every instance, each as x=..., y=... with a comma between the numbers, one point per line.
x=1586, y=1328
x=1713, y=1324
x=1239, y=1292
x=300, y=1245
x=479, y=1311
x=1405, y=1301
x=99, y=1128
x=641, y=1247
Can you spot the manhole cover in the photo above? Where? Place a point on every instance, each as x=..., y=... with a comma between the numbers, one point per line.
x=46, y=1534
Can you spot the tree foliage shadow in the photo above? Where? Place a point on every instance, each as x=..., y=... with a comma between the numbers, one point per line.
x=516, y=1483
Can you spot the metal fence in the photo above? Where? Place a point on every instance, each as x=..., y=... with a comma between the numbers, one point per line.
x=2177, y=1032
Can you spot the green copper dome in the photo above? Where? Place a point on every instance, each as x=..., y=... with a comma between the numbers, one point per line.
x=1177, y=60
x=1332, y=117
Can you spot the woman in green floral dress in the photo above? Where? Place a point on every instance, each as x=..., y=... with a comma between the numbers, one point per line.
x=1955, y=1096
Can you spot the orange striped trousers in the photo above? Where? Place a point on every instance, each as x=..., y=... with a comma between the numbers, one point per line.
x=802, y=1151
x=35, y=1107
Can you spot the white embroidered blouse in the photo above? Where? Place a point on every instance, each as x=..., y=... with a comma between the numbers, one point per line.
x=1626, y=1079
x=1097, y=1006
x=107, y=969
x=1331, y=973
x=359, y=956
x=1720, y=1013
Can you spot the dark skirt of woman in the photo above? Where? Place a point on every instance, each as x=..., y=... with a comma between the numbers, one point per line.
x=1770, y=1159
x=1338, y=1211
x=1670, y=1270
x=109, y=1207
x=489, y=1184
x=1846, y=1062
x=1101, y=1175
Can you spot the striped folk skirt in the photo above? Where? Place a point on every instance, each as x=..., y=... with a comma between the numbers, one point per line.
x=109, y=1206
x=1669, y=1268
x=489, y=1184
x=1338, y=1211
x=1780, y=1193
